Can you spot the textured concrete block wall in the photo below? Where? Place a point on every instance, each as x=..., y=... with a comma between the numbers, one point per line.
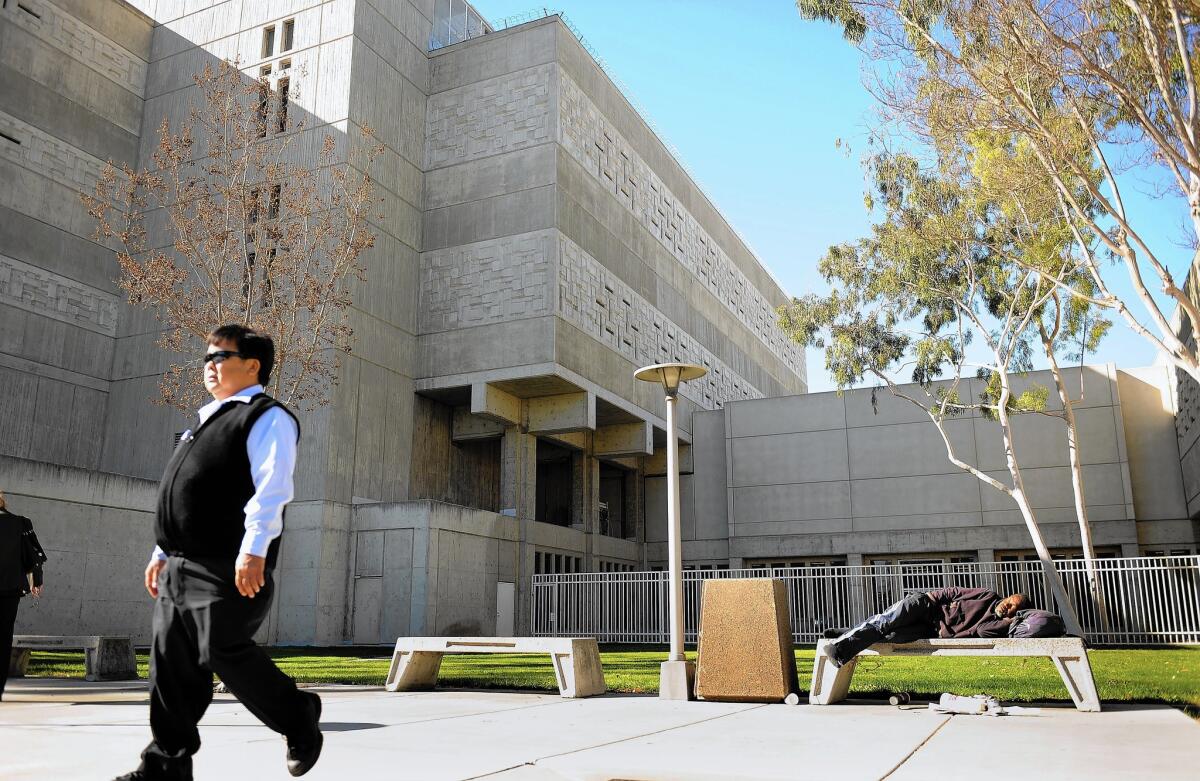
x=72, y=76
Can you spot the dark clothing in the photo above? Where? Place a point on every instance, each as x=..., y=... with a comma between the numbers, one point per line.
x=964, y=611
x=948, y=612
x=207, y=483
x=202, y=625
x=8, y=619
x=20, y=555
x=21, y=559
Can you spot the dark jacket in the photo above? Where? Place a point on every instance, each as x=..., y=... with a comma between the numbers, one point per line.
x=207, y=483
x=968, y=612
x=21, y=555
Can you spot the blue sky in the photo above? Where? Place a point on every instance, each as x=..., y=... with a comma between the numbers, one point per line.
x=753, y=100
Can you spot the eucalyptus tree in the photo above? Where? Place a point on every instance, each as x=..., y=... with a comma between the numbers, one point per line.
x=1089, y=88
x=927, y=293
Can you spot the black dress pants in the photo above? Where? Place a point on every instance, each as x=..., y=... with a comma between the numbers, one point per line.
x=8, y=619
x=202, y=625
x=912, y=618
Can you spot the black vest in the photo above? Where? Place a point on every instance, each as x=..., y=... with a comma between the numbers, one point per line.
x=207, y=483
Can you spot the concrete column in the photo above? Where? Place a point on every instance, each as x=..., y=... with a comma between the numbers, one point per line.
x=585, y=500
x=518, y=497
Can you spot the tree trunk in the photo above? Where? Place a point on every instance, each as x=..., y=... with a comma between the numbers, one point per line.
x=1085, y=528
x=1065, y=608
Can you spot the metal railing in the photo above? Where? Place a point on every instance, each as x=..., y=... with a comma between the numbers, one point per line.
x=1147, y=600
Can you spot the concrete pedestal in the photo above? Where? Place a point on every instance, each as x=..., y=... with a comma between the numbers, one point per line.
x=676, y=680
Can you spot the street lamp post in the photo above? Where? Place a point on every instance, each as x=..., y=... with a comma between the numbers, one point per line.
x=676, y=673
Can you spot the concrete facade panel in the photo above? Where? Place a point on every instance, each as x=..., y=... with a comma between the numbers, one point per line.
x=908, y=449
x=813, y=456
x=915, y=496
x=1148, y=420
x=807, y=502
x=710, y=478
x=489, y=176
x=787, y=414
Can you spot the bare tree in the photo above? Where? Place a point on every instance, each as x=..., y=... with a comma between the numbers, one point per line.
x=237, y=221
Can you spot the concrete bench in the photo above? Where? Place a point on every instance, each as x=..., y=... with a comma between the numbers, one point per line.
x=830, y=684
x=105, y=658
x=576, y=660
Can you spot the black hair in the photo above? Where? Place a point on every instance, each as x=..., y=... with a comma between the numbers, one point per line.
x=250, y=344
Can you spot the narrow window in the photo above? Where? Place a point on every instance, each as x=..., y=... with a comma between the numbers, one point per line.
x=285, y=65
x=268, y=46
x=289, y=29
x=264, y=108
x=273, y=205
x=29, y=11
x=7, y=137
x=255, y=197
x=267, y=288
x=283, y=105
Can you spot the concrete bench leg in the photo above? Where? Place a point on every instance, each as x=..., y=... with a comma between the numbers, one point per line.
x=18, y=662
x=829, y=684
x=580, y=673
x=111, y=660
x=1076, y=672
x=413, y=671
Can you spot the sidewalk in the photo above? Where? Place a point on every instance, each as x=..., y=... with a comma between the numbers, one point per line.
x=64, y=730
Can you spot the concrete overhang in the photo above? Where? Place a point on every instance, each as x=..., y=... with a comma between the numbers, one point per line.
x=493, y=394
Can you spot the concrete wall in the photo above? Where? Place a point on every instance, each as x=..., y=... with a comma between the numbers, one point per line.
x=823, y=474
x=71, y=80
x=1187, y=401
x=98, y=531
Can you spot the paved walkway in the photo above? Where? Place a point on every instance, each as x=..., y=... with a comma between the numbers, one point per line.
x=64, y=730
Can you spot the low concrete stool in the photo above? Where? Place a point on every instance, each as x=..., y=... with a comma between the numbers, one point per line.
x=577, y=667
x=105, y=658
x=745, y=649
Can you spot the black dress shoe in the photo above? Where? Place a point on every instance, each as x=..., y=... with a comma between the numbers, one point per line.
x=304, y=750
x=177, y=770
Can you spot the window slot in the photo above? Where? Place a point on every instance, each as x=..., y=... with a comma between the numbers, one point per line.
x=273, y=205
x=268, y=42
x=29, y=11
x=283, y=105
x=285, y=65
x=289, y=30
x=7, y=137
x=264, y=108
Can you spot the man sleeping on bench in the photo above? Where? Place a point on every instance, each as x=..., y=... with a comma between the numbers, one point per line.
x=947, y=612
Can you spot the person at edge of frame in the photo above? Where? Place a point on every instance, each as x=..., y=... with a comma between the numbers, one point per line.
x=21, y=560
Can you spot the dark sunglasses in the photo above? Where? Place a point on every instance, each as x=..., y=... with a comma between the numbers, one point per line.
x=219, y=356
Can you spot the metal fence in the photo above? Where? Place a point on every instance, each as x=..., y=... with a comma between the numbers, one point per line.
x=1147, y=600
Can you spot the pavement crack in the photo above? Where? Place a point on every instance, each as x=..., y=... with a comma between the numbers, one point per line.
x=920, y=746
x=644, y=735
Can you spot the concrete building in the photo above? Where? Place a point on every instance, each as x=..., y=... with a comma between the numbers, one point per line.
x=538, y=242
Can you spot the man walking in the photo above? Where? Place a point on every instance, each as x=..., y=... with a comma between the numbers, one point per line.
x=947, y=612
x=218, y=525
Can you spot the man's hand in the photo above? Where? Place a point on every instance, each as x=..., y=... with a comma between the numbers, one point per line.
x=36, y=591
x=152, y=572
x=250, y=574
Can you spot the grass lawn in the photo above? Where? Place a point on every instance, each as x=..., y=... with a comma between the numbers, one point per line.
x=1169, y=676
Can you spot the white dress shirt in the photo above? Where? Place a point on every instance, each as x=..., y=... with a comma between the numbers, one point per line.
x=271, y=447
